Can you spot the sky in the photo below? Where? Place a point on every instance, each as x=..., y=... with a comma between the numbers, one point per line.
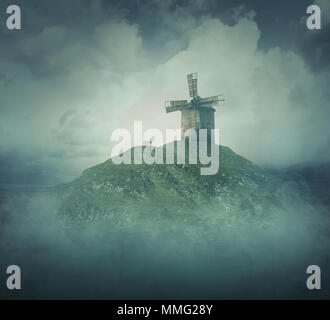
x=78, y=70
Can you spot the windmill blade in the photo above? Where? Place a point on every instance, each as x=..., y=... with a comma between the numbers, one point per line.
x=192, y=84
x=213, y=101
x=175, y=105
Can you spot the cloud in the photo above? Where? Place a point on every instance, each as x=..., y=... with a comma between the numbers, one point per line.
x=276, y=109
x=314, y=45
x=70, y=89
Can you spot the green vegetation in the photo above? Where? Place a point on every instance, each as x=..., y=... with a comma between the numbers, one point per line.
x=133, y=194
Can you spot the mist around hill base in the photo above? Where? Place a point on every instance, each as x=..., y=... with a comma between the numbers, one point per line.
x=165, y=231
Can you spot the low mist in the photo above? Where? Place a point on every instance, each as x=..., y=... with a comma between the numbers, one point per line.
x=219, y=257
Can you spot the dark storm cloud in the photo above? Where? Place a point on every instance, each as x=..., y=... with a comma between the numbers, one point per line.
x=50, y=26
x=314, y=46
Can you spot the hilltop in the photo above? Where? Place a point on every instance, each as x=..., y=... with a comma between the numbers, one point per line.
x=130, y=193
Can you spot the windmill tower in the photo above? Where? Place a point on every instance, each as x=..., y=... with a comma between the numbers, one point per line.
x=199, y=112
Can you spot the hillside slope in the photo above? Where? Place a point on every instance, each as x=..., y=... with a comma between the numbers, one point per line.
x=128, y=193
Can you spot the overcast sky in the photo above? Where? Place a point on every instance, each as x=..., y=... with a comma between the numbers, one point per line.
x=79, y=69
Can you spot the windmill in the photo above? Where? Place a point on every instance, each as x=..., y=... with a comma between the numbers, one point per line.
x=199, y=112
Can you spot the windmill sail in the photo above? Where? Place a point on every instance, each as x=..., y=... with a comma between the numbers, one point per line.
x=196, y=113
x=192, y=84
x=213, y=101
x=175, y=105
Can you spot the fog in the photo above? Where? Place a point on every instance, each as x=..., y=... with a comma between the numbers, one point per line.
x=220, y=257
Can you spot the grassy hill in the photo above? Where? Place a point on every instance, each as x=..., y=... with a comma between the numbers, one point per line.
x=131, y=193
